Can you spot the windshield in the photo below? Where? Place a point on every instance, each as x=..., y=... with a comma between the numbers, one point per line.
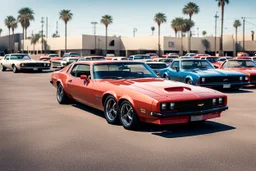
x=53, y=55
x=122, y=71
x=173, y=56
x=141, y=57
x=74, y=54
x=152, y=54
x=241, y=64
x=196, y=64
x=212, y=60
x=157, y=66
x=19, y=57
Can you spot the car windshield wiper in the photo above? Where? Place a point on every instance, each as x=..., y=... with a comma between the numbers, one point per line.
x=112, y=77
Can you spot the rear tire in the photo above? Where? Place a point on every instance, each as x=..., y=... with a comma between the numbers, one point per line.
x=15, y=69
x=3, y=68
x=166, y=77
x=189, y=81
x=61, y=95
x=111, y=110
x=128, y=116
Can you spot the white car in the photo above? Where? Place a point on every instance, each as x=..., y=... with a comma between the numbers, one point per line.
x=190, y=54
x=141, y=58
x=20, y=62
x=64, y=62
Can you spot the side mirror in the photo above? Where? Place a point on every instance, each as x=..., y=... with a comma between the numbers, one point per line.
x=84, y=77
x=176, y=68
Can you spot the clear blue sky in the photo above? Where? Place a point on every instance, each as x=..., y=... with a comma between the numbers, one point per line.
x=127, y=15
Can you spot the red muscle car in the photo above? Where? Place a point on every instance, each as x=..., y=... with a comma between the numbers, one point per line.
x=50, y=57
x=213, y=59
x=130, y=92
x=245, y=66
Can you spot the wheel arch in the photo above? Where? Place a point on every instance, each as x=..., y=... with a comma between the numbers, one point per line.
x=106, y=94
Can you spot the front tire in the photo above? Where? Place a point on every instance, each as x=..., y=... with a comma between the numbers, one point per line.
x=3, y=68
x=111, y=110
x=189, y=81
x=61, y=95
x=166, y=77
x=15, y=69
x=128, y=116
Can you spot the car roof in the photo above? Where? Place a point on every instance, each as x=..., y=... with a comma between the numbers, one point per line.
x=92, y=56
x=155, y=63
x=17, y=54
x=239, y=60
x=189, y=59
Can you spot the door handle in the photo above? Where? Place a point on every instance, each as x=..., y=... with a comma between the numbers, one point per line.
x=69, y=81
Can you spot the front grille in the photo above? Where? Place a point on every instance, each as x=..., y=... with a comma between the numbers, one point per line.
x=253, y=77
x=33, y=64
x=56, y=64
x=229, y=79
x=194, y=105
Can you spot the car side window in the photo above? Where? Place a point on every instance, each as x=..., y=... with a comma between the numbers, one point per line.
x=225, y=65
x=130, y=58
x=7, y=57
x=175, y=64
x=65, y=55
x=81, y=69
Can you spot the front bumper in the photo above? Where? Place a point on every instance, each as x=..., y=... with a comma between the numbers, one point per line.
x=200, y=112
x=35, y=68
x=221, y=85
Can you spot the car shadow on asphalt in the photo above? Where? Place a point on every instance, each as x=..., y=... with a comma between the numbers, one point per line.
x=186, y=130
x=169, y=131
x=32, y=72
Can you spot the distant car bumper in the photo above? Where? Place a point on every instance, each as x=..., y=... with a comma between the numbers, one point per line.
x=35, y=68
x=199, y=112
x=225, y=85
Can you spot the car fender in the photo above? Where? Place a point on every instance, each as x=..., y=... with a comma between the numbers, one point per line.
x=112, y=93
x=128, y=98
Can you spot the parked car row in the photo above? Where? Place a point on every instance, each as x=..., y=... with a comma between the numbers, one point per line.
x=137, y=89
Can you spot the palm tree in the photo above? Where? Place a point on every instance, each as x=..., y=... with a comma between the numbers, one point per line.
x=1, y=31
x=106, y=20
x=159, y=19
x=204, y=33
x=66, y=16
x=180, y=26
x=8, y=22
x=174, y=26
x=26, y=15
x=236, y=24
x=34, y=40
x=152, y=29
x=55, y=35
x=190, y=9
x=222, y=3
x=14, y=25
x=252, y=35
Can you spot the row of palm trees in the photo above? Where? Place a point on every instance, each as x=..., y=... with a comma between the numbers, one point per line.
x=179, y=24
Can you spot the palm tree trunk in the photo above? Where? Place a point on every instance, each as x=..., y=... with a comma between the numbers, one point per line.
x=23, y=35
x=159, y=50
x=13, y=39
x=221, y=34
x=9, y=41
x=189, y=35
x=152, y=33
x=181, y=44
x=106, y=45
x=34, y=48
x=66, y=29
x=236, y=41
x=175, y=33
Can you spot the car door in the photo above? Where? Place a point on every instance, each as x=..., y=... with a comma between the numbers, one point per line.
x=6, y=62
x=80, y=89
x=174, y=71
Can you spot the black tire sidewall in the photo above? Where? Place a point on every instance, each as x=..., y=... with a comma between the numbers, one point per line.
x=3, y=68
x=64, y=99
x=14, y=69
x=116, y=120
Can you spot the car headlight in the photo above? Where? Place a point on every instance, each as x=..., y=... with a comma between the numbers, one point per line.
x=203, y=80
x=172, y=105
x=214, y=101
x=220, y=100
x=246, y=78
x=22, y=65
x=45, y=64
x=163, y=106
x=241, y=78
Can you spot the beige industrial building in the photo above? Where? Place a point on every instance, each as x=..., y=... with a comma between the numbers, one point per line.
x=125, y=46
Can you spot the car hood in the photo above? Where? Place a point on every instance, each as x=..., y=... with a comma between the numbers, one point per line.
x=251, y=71
x=215, y=73
x=164, y=89
x=30, y=61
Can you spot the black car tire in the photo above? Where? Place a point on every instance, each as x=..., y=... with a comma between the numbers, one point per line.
x=189, y=81
x=134, y=121
x=14, y=69
x=111, y=110
x=3, y=68
x=61, y=95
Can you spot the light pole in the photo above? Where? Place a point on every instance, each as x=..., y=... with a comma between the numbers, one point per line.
x=134, y=30
x=94, y=30
x=215, y=40
x=197, y=32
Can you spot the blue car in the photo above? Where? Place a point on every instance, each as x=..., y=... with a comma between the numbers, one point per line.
x=201, y=72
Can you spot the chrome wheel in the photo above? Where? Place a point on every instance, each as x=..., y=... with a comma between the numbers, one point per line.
x=166, y=77
x=127, y=114
x=189, y=81
x=111, y=109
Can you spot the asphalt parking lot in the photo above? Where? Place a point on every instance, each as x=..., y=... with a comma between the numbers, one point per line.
x=38, y=134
